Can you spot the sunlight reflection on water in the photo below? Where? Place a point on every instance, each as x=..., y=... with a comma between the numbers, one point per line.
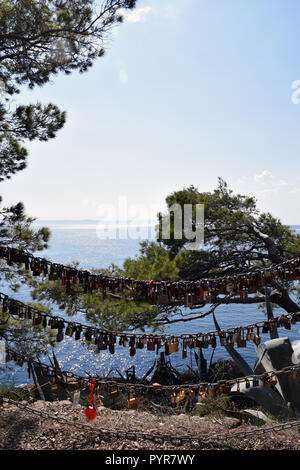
x=70, y=244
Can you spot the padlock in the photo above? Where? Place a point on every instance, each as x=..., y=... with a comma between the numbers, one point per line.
x=4, y=306
x=273, y=380
x=162, y=299
x=184, y=350
x=243, y=341
x=101, y=342
x=150, y=345
x=265, y=328
x=223, y=339
x=294, y=319
x=205, y=295
x=36, y=320
x=229, y=288
x=90, y=412
x=59, y=336
x=114, y=393
x=69, y=330
x=236, y=337
x=52, y=276
x=252, y=334
x=245, y=293
x=44, y=321
x=229, y=340
x=173, y=347
x=28, y=313
x=295, y=274
x=68, y=287
x=15, y=310
x=88, y=334
x=173, y=398
x=54, y=324
x=257, y=337
x=78, y=332
x=123, y=341
x=97, y=400
x=132, y=403
x=8, y=358
x=111, y=346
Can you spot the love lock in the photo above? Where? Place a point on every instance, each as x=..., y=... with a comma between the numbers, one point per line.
x=90, y=412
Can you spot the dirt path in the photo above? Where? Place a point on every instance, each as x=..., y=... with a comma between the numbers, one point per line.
x=22, y=430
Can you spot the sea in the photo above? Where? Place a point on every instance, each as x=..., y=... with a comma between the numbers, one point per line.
x=84, y=241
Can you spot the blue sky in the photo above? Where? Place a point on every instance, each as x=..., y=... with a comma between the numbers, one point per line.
x=188, y=91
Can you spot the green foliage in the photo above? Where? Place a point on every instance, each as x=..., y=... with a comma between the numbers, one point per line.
x=113, y=314
x=16, y=230
x=233, y=234
x=212, y=406
x=117, y=403
x=45, y=37
x=23, y=337
x=153, y=262
x=25, y=123
x=237, y=237
x=13, y=392
x=38, y=40
x=224, y=369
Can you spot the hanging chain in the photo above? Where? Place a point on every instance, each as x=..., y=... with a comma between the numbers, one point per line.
x=219, y=387
x=150, y=436
x=16, y=308
x=188, y=293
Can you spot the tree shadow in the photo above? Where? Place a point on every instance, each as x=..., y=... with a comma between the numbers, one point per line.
x=18, y=425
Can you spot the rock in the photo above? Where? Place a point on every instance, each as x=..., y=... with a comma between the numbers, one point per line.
x=76, y=398
x=39, y=405
x=64, y=403
x=296, y=353
x=231, y=423
x=260, y=416
x=277, y=354
x=197, y=418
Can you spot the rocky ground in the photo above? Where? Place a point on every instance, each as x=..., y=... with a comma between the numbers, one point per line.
x=21, y=430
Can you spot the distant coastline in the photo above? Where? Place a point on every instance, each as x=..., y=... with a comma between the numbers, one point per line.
x=90, y=223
